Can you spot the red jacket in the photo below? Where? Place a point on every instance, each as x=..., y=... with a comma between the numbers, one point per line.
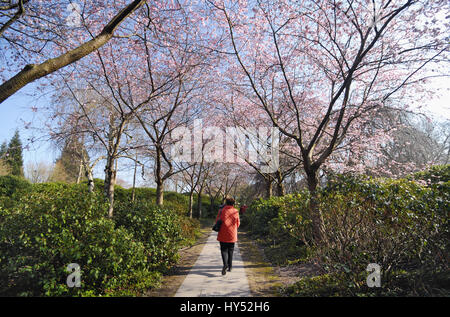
x=230, y=223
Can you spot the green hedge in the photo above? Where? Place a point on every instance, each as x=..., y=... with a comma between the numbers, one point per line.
x=174, y=201
x=9, y=184
x=398, y=224
x=280, y=217
x=282, y=224
x=158, y=228
x=47, y=230
x=435, y=175
x=45, y=227
x=402, y=225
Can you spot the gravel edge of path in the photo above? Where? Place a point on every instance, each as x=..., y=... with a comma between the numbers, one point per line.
x=262, y=278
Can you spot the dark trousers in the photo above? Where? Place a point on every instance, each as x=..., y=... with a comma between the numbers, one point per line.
x=227, y=248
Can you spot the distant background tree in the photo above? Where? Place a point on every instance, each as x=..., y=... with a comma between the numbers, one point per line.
x=416, y=140
x=38, y=172
x=4, y=168
x=13, y=155
x=3, y=149
x=70, y=160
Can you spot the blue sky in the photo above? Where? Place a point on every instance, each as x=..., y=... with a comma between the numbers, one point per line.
x=16, y=113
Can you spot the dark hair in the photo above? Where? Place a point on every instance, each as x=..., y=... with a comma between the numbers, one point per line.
x=230, y=201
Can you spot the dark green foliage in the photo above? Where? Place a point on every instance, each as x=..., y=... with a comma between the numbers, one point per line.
x=280, y=217
x=13, y=156
x=10, y=184
x=45, y=227
x=158, y=228
x=398, y=224
x=147, y=194
x=283, y=224
x=402, y=225
x=48, y=229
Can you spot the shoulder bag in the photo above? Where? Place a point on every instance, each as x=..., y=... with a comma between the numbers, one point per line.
x=216, y=227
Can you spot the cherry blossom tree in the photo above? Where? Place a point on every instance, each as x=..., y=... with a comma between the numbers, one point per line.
x=156, y=88
x=416, y=140
x=320, y=69
x=195, y=176
x=144, y=79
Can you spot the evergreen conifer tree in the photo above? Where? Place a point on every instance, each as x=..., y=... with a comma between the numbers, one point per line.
x=13, y=155
x=69, y=161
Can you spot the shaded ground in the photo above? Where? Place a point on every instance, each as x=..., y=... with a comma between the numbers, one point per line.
x=292, y=273
x=261, y=276
x=266, y=278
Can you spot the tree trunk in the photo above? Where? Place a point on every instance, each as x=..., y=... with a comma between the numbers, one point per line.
x=111, y=195
x=90, y=178
x=280, y=189
x=316, y=214
x=133, y=191
x=269, y=188
x=211, y=204
x=199, y=202
x=88, y=172
x=110, y=179
x=160, y=193
x=191, y=203
x=80, y=172
x=280, y=185
x=159, y=179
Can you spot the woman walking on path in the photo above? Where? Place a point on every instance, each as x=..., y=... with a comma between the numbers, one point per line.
x=227, y=235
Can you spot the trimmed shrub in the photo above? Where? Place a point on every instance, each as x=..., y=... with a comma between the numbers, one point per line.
x=389, y=222
x=285, y=217
x=434, y=175
x=402, y=225
x=10, y=184
x=49, y=229
x=283, y=224
x=157, y=228
x=398, y=224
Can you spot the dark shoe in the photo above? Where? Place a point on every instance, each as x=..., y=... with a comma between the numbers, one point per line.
x=224, y=270
x=229, y=269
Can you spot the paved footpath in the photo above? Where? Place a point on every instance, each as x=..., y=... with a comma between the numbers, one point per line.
x=205, y=277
